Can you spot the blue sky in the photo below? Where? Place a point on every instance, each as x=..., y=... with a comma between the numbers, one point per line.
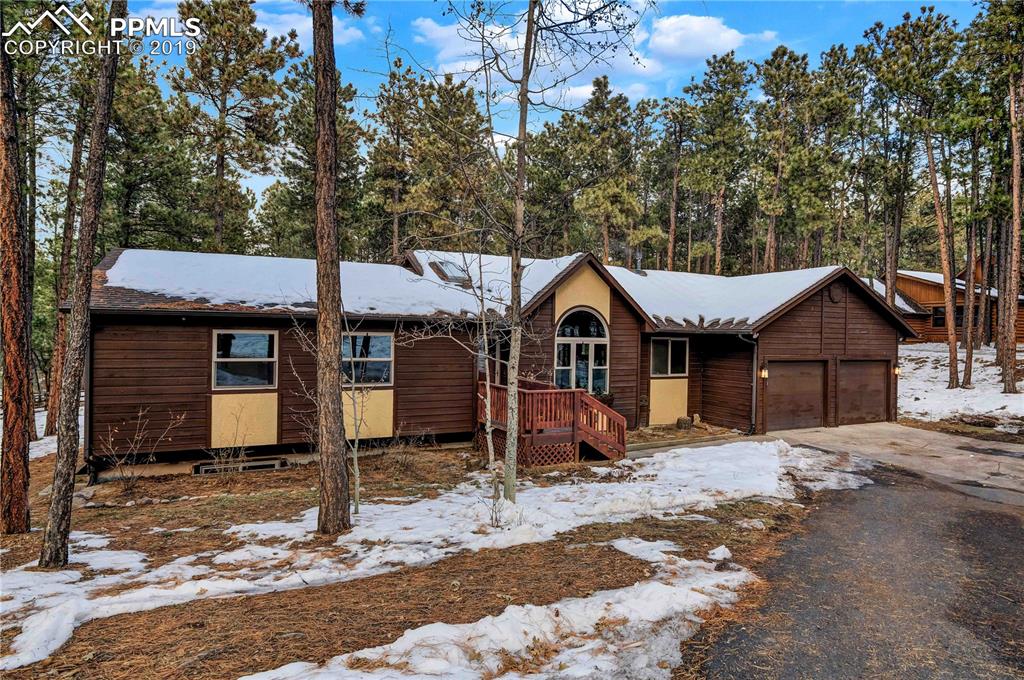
x=672, y=41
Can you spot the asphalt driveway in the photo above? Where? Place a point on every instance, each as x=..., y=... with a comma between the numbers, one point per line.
x=989, y=470
x=906, y=578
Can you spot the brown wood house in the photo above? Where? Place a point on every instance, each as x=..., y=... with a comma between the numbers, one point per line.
x=922, y=303
x=222, y=342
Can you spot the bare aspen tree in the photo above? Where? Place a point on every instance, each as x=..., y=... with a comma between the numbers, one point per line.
x=525, y=57
x=58, y=524
x=67, y=245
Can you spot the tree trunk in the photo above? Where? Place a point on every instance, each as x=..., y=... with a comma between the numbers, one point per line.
x=969, y=279
x=28, y=281
x=58, y=523
x=948, y=288
x=63, y=272
x=673, y=207
x=395, y=238
x=984, y=332
x=719, y=227
x=689, y=242
x=606, y=247
x=515, y=248
x=14, y=510
x=1013, y=275
x=334, y=502
x=218, y=203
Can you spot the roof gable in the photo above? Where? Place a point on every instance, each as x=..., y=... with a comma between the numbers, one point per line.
x=871, y=295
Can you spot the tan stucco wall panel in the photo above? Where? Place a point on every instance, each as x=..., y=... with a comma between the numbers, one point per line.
x=585, y=288
x=668, y=400
x=243, y=419
x=376, y=409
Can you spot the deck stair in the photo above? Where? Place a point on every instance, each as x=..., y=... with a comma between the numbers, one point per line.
x=553, y=423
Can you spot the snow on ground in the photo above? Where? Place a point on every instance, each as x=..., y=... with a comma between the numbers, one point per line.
x=44, y=446
x=633, y=631
x=925, y=373
x=47, y=606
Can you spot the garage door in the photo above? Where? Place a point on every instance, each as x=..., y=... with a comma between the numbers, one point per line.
x=795, y=394
x=863, y=392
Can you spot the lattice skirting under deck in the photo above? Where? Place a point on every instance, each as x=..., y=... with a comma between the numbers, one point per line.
x=540, y=455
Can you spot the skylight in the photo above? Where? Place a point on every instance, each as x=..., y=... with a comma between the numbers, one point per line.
x=453, y=272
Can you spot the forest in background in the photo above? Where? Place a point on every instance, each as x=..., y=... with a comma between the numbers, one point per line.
x=763, y=166
x=752, y=167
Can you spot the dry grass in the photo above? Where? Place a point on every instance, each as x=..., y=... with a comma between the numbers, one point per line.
x=666, y=433
x=225, y=500
x=976, y=427
x=230, y=637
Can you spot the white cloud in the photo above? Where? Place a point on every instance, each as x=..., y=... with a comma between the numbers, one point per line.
x=279, y=23
x=686, y=36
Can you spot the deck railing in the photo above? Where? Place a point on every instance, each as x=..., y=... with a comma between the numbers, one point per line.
x=545, y=409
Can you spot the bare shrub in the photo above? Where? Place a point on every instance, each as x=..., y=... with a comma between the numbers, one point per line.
x=136, y=446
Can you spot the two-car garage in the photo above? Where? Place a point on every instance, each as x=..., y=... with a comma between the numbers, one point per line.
x=797, y=393
x=828, y=360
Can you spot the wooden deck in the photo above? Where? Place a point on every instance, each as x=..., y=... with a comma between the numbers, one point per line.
x=553, y=423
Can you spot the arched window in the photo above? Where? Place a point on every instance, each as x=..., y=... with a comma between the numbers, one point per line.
x=581, y=352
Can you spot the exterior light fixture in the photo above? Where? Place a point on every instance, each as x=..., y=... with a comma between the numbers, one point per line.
x=896, y=370
x=764, y=373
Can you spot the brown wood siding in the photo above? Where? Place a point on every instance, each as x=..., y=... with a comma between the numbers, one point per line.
x=160, y=371
x=434, y=387
x=537, y=358
x=433, y=384
x=830, y=328
x=164, y=364
x=930, y=295
x=726, y=376
x=624, y=359
x=296, y=379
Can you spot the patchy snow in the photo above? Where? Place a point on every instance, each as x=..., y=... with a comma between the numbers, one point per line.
x=696, y=299
x=44, y=446
x=720, y=553
x=47, y=606
x=925, y=373
x=626, y=632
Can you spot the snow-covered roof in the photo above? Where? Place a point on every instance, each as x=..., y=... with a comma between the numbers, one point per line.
x=903, y=303
x=695, y=301
x=439, y=283
x=153, y=279
x=936, y=278
x=494, y=271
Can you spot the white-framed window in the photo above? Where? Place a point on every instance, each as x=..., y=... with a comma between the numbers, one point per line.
x=244, y=359
x=368, y=358
x=670, y=357
x=581, y=352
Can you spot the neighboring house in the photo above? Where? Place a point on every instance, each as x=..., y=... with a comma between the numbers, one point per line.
x=921, y=300
x=223, y=341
